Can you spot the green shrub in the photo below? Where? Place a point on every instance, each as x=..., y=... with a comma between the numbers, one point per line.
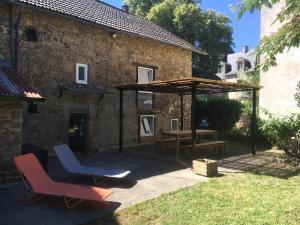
x=284, y=133
x=297, y=95
x=222, y=114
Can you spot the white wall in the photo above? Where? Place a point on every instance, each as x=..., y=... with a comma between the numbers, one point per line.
x=279, y=82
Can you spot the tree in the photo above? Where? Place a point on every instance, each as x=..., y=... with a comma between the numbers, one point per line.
x=179, y=17
x=215, y=37
x=208, y=30
x=286, y=37
x=141, y=7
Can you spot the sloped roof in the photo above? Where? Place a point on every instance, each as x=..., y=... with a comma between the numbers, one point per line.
x=12, y=86
x=111, y=17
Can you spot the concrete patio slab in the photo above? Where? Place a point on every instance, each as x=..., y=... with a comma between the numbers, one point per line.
x=152, y=175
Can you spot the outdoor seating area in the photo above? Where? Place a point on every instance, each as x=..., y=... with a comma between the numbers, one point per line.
x=138, y=112
x=190, y=87
x=151, y=175
x=183, y=139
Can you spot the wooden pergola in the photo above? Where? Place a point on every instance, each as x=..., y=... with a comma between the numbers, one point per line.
x=190, y=86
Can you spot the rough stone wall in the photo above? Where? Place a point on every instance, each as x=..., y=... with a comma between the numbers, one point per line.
x=112, y=61
x=279, y=82
x=4, y=31
x=11, y=137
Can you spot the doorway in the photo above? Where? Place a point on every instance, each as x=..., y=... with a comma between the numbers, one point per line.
x=77, y=132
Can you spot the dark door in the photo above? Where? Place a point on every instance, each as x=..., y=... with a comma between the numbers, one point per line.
x=77, y=131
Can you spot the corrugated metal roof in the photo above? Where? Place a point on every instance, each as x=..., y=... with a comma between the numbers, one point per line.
x=14, y=86
x=111, y=17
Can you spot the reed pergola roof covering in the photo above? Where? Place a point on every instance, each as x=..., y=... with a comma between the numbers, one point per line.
x=186, y=86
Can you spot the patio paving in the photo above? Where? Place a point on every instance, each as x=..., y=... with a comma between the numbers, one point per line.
x=152, y=175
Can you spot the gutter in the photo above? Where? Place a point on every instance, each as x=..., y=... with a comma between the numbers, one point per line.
x=17, y=39
x=11, y=36
x=14, y=33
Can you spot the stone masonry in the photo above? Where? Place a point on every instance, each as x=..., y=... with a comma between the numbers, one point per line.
x=111, y=61
x=11, y=137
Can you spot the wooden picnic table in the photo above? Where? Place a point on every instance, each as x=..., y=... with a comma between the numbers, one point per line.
x=186, y=133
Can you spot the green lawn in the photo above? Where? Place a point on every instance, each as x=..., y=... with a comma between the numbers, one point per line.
x=240, y=198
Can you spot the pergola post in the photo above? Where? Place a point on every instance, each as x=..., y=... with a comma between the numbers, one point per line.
x=253, y=127
x=193, y=116
x=121, y=123
x=181, y=112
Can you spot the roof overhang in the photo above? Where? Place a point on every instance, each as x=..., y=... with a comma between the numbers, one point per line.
x=14, y=87
x=82, y=89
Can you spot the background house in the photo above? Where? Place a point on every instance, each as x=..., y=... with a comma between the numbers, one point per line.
x=74, y=53
x=236, y=68
x=279, y=82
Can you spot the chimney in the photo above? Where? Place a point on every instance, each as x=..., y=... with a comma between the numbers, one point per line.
x=245, y=49
x=125, y=8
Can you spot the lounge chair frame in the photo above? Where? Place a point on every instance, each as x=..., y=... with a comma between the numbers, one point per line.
x=70, y=201
x=33, y=196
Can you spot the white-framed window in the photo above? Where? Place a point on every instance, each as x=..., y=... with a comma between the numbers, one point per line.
x=145, y=75
x=147, y=125
x=81, y=73
x=174, y=124
x=145, y=98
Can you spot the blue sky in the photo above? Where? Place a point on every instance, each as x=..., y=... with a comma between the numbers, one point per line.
x=246, y=30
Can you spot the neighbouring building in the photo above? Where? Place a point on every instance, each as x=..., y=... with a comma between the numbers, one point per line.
x=73, y=52
x=236, y=68
x=279, y=82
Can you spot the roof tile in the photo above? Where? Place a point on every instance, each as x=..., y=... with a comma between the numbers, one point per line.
x=104, y=14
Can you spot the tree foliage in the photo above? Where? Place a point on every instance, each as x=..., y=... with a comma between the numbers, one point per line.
x=222, y=114
x=141, y=7
x=286, y=37
x=297, y=95
x=208, y=30
x=283, y=132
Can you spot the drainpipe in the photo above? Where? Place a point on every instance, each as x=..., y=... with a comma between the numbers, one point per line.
x=17, y=40
x=11, y=27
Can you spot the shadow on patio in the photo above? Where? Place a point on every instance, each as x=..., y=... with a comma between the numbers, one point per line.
x=265, y=162
x=152, y=174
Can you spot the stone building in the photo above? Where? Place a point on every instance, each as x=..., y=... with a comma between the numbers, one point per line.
x=14, y=91
x=74, y=53
x=236, y=68
x=279, y=82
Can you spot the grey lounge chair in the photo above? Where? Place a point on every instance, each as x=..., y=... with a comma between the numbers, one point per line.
x=72, y=165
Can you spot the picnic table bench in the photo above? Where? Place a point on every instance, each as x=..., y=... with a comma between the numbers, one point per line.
x=222, y=145
x=160, y=142
x=183, y=135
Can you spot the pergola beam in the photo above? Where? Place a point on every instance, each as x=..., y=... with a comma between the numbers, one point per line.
x=189, y=86
x=253, y=127
x=121, y=123
x=193, y=117
x=181, y=112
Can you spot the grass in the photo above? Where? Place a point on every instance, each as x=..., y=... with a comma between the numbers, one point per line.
x=241, y=198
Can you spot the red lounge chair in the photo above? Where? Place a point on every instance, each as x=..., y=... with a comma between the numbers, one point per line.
x=41, y=185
